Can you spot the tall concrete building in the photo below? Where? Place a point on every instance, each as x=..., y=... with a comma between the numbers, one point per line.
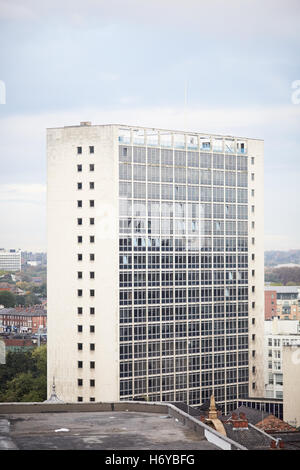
x=155, y=265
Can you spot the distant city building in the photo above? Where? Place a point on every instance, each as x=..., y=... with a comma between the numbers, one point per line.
x=19, y=344
x=283, y=302
x=34, y=259
x=278, y=333
x=6, y=286
x=23, y=319
x=10, y=260
x=155, y=265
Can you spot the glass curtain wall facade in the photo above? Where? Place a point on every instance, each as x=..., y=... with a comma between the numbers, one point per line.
x=183, y=267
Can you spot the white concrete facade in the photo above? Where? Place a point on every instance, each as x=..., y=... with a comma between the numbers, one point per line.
x=278, y=335
x=67, y=310
x=256, y=267
x=63, y=265
x=291, y=384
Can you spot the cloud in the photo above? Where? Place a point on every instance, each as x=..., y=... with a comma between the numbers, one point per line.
x=32, y=127
x=16, y=10
x=25, y=193
x=23, y=216
x=23, y=137
x=276, y=17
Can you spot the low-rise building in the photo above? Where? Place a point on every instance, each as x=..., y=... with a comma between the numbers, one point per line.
x=278, y=333
x=19, y=344
x=23, y=319
x=282, y=302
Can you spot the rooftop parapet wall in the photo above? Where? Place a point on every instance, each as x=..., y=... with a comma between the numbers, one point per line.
x=172, y=411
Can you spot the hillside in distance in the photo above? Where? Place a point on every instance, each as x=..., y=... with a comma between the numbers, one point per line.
x=275, y=258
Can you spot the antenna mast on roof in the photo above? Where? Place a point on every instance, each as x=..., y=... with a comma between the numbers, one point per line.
x=185, y=106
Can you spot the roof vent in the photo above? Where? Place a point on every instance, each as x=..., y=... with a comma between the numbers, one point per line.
x=85, y=123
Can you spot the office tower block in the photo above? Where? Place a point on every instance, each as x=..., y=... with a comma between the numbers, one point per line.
x=155, y=265
x=10, y=260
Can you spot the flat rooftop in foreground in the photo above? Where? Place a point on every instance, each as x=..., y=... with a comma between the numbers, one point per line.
x=101, y=430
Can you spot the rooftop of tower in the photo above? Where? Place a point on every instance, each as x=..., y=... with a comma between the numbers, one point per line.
x=164, y=130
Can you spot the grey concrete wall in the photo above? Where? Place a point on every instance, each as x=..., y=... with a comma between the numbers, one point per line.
x=25, y=408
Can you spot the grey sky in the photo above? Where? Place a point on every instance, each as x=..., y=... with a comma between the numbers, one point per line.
x=128, y=61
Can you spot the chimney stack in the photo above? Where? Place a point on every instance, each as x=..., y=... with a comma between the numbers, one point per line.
x=239, y=422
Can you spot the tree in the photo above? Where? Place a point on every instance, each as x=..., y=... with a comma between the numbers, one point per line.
x=24, y=376
x=7, y=298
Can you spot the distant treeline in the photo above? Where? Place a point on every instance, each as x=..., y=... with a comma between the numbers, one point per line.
x=286, y=276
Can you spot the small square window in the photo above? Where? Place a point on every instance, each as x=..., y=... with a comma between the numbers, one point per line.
x=92, y=257
x=79, y=256
x=79, y=274
x=92, y=328
x=92, y=364
x=92, y=346
x=92, y=310
x=79, y=203
x=79, y=364
x=92, y=203
x=92, y=167
x=79, y=185
x=92, y=292
x=92, y=221
x=92, y=399
x=79, y=328
x=252, y=176
x=252, y=160
x=91, y=149
x=79, y=239
x=79, y=399
x=92, y=383
x=79, y=150
x=79, y=346
x=79, y=221
x=92, y=239
x=92, y=185
x=79, y=168
x=79, y=382
x=92, y=275
x=79, y=292
x=79, y=310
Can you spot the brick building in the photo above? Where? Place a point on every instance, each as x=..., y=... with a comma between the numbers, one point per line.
x=23, y=319
x=270, y=303
x=282, y=302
